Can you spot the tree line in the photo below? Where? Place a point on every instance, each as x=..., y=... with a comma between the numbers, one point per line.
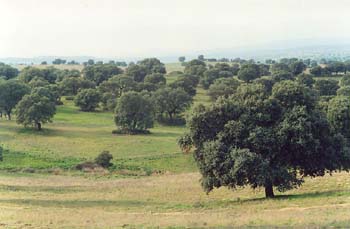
x=138, y=95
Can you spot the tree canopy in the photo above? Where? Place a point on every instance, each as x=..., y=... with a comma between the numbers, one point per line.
x=171, y=102
x=98, y=73
x=87, y=99
x=134, y=112
x=264, y=139
x=35, y=109
x=327, y=87
x=11, y=92
x=249, y=72
x=8, y=72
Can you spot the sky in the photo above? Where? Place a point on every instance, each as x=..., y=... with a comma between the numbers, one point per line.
x=127, y=28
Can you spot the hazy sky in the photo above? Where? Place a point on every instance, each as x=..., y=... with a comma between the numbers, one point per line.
x=124, y=28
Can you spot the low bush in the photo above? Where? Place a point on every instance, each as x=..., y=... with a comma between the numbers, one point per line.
x=130, y=132
x=104, y=159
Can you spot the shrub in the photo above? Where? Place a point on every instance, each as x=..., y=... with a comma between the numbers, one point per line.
x=185, y=143
x=86, y=165
x=104, y=159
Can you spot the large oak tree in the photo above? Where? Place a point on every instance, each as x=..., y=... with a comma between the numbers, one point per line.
x=260, y=139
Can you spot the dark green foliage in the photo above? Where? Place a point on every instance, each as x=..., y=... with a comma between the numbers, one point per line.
x=137, y=72
x=258, y=139
x=185, y=143
x=7, y=72
x=104, y=159
x=267, y=82
x=297, y=67
x=11, y=92
x=38, y=82
x=291, y=94
x=338, y=114
x=279, y=67
x=345, y=81
x=72, y=85
x=282, y=75
x=59, y=61
x=209, y=77
x=201, y=57
x=35, y=109
x=134, y=112
x=264, y=70
x=337, y=67
x=171, y=102
x=306, y=79
x=326, y=86
x=63, y=74
x=223, y=87
x=195, y=67
x=220, y=70
x=87, y=99
x=50, y=74
x=152, y=65
x=319, y=71
x=344, y=91
x=155, y=78
x=149, y=87
x=100, y=72
x=90, y=62
x=1, y=153
x=249, y=72
x=50, y=91
x=145, y=67
x=86, y=165
x=114, y=88
x=182, y=59
x=72, y=62
x=29, y=73
x=187, y=83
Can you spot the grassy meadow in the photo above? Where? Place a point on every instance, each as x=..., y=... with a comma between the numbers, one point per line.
x=166, y=201
x=152, y=184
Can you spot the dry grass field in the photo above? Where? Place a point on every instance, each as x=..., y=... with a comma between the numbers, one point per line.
x=176, y=201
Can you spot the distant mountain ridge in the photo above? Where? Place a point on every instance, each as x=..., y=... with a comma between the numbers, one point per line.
x=308, y=48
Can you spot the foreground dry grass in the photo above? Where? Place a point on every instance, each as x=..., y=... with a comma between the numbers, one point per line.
x=40, y=201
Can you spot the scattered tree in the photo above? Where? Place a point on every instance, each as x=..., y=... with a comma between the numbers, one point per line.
x=11, y=92
x=265, y=140
x=171, y=102
x=182, y=59
x=87, y=99
x=134, y=113
x=35, y=109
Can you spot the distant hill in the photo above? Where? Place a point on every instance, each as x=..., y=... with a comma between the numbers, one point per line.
x=308, y=48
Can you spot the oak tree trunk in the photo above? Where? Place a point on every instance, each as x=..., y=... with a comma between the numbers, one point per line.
x=269, y=191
